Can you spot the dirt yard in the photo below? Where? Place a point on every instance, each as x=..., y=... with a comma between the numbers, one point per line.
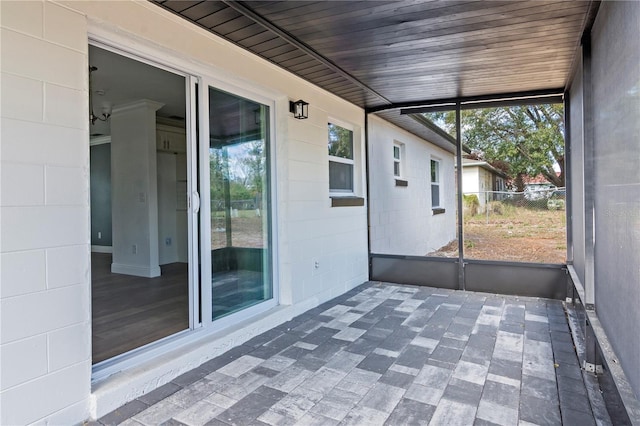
x=518, y=234
x=246, y=230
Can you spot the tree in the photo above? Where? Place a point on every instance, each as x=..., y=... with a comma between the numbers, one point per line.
x=253, y=165
x=529, y=139
x=340, y=141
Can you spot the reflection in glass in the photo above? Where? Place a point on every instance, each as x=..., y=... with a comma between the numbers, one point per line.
x=340, y=159
x=240, y=203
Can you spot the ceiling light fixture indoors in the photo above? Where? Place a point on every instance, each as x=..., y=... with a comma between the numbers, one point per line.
x=106, y=106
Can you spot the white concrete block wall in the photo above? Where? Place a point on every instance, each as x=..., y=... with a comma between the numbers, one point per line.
x=335, y=237
x=307, y=227
x=401, y=217
x=45, y=343
x=45, y=297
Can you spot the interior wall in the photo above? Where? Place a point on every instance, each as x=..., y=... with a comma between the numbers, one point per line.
x=401, y=217
x=182, y=220
x=134, y=189
x=616, y=94
x=45, y=305
x=100, y=169
x=167, y=206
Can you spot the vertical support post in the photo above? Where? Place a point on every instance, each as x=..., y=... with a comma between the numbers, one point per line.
x=567, y=175
x=461, y=283
x=589, y=181
x=568, y=190
x=367, y=180
x=591, y=362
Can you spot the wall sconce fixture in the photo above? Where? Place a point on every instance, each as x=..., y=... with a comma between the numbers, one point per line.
x=300, y=109
x=106, y=106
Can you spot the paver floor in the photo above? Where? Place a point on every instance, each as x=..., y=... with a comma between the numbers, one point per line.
x=387, y=354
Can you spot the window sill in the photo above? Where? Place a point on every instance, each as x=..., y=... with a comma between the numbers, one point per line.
x=437, y=211
x=402, y=182
x=337, y=201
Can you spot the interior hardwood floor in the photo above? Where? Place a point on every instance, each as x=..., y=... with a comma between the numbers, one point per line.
x=129, y=312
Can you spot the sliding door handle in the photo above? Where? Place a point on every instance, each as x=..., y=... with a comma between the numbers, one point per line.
x=195, y=202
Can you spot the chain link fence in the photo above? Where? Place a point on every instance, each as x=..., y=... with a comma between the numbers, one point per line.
x=527, y=226
x=495, y=205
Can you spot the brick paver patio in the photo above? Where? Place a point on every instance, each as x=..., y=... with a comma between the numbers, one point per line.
x=387, y=354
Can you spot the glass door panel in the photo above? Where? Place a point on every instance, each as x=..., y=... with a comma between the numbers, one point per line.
x=240, y=203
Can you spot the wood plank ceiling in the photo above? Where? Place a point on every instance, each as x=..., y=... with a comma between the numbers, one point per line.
x=377, y=53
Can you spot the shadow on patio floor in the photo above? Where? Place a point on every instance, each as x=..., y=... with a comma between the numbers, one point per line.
x=387, y=354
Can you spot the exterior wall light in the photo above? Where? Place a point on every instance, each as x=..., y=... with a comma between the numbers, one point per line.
x=299, y=109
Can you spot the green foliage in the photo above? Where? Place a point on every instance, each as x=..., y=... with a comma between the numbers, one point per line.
x=244, y=171
x=471, y=204
x=529, y=138
x=340, y=141
x=219, y=172
x=254, y=166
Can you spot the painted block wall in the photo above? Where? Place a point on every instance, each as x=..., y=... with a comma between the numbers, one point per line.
x=45, y=342
x=45, y=346
x=616, y=93
x=401, y=218
x=308, y=228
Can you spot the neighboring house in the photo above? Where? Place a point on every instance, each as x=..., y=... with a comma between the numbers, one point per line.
x=537, y=187
x=483, y=180
x=412, y=192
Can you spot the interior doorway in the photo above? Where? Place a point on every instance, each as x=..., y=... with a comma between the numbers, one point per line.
x=141, y=230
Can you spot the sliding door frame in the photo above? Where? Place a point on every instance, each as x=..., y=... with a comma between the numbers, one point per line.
x=255, y=95
x=115, y=45
x=198, y=78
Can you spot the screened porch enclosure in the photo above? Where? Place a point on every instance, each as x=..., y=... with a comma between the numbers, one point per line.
x=402, y=55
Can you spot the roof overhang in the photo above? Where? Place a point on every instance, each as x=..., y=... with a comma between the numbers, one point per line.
x=383, y=54
x=483, y=165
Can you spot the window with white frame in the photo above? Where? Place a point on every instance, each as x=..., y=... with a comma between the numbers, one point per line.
x=436, y=201
x=397, y=159
x=341, y=162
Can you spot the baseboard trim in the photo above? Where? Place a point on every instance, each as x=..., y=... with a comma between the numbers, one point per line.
x=137, y=271
x=101, y=249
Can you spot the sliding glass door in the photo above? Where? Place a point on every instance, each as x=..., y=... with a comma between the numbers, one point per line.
x=240, y=203
x=144, y=209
